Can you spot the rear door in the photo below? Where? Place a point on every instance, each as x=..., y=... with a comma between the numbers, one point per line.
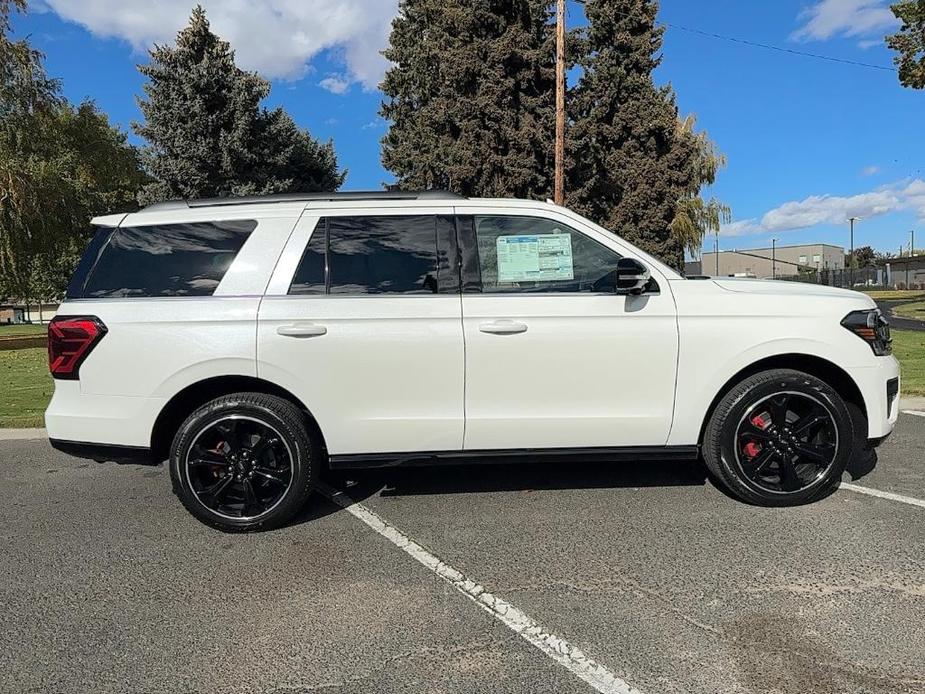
x=554, y=357
x=363, y=322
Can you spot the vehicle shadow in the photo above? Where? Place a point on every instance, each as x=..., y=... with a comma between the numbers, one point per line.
x=359, y=485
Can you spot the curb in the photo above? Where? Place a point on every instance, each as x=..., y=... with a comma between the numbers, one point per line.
x=23, y=434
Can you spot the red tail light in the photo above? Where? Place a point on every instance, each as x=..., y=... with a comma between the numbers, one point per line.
x=70, y=340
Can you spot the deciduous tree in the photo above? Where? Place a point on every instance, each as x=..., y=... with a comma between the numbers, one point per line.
x=909, y=42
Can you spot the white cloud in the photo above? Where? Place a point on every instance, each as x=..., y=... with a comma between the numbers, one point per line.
x=833, y=209
x=871, y=170
x=336, y=84
x=830, y=18
x=278, y=38
x=742, y=227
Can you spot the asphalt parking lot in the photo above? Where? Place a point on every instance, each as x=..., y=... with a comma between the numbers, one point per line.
x=629, y=576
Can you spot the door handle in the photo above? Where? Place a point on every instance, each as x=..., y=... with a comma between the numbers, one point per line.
x=302, y=330
x=503, y=327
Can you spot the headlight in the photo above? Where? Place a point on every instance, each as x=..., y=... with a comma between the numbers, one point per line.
x=872, y=327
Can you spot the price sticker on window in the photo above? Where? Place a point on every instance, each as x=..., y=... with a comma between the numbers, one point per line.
x=535, y=258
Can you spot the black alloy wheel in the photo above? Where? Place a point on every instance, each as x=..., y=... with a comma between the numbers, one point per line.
x=780, y=438
x=786, y=442
x=245, y=461
x=239, y=467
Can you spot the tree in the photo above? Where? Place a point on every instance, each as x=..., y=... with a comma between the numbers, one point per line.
x=695, y=217
x=863, y=257
x=208, y=135
x=635, y=168
x=60, y=165
x=909, y=42
x=470, y=97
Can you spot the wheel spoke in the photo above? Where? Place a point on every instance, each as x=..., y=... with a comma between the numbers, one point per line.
x=250, y=498
x=779, y=409
x=820, y=454
x=750, y=431
x=789, y=480
x=757, y=464
x=217, y=490
x=262, y=446
x=809, y=424
x=270, y=475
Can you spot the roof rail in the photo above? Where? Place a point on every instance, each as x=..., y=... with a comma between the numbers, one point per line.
x=305, y=197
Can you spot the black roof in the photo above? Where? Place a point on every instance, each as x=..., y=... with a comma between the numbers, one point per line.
x=306, y=197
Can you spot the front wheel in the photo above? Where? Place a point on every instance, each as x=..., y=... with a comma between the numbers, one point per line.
x=779, y=438
x=244, y=462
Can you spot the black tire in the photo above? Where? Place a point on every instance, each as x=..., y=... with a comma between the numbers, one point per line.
x=747, y=451
x=244, y=462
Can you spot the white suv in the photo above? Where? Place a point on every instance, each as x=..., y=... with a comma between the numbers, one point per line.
x=257, y=341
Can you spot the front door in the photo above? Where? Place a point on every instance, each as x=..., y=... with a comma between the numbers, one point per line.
x=363, y=323
x=554, y=357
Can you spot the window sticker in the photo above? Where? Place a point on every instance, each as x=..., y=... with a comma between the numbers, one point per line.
x=535, y=258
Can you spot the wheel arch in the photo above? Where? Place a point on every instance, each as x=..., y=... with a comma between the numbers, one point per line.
x=183, y=403
x=819, y=367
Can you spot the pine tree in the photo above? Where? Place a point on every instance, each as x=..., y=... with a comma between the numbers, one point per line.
x=630, y=163
x=470, y=97
x=209, y=136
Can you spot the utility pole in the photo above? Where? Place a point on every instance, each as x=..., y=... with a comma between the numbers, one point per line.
x=911, y=242
x=559, y=194
x=773, y=259
x=716, y=252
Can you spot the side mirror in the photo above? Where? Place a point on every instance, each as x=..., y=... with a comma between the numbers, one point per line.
x=632, y=276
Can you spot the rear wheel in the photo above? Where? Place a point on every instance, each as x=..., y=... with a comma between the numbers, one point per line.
x=244, y=462
x=779, y=438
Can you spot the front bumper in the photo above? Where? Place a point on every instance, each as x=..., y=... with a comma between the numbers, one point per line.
x=880, y=388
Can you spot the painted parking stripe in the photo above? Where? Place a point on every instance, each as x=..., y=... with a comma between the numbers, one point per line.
x=915, y=412
x=884, y=495
x=567, y=655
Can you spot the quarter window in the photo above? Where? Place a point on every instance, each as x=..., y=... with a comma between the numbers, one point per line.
x=379, y=255
x=532, y=254
x=166, y=260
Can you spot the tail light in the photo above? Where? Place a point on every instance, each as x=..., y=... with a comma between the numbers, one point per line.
x=70, y=340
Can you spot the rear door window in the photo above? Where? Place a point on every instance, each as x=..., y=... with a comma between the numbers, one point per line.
x=166, y=260
x=397, y=254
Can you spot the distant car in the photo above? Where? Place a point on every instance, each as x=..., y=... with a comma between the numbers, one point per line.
x=255, y=342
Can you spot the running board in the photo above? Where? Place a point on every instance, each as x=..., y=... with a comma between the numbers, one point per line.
x=521, y=455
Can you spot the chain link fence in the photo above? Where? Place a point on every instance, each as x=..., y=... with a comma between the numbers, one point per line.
x=897, y=273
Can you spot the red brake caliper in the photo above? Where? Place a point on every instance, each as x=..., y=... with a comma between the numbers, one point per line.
x=751, y=449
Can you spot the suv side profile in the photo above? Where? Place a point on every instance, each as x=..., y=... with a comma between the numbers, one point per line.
x=254, y=342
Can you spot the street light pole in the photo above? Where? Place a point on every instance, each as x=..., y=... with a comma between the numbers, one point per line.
x=773, y=259
x=852, y=220
x=716, y=252
x=559, y=193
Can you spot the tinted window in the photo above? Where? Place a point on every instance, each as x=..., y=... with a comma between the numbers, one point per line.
x=87, y=261
x=379, y=255
x=167, y=260
x=531, y=254
x=309, y=276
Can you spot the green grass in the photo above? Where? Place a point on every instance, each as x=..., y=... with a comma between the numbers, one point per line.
x=895, y=294
x=25, y=387
x=909, y=348
x=24, y=329
x=914, y=310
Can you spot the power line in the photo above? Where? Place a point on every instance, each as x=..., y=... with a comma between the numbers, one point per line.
x=780, y=49
x=766, y=46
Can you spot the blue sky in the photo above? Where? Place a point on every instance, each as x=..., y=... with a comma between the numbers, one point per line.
x=809, y=142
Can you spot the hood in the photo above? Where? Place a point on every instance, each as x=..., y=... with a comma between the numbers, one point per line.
x=748, y=285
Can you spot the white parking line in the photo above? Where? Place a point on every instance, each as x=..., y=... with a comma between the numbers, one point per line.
x=915, y=412
x=567, y=655
x=884, y=495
